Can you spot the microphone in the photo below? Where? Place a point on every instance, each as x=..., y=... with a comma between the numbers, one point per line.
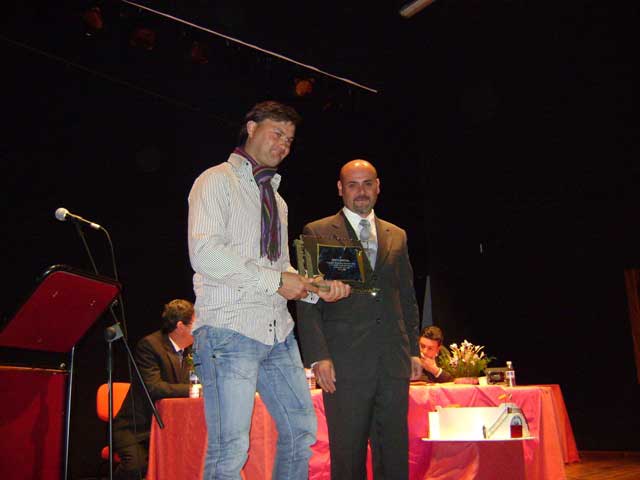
x=63, y=215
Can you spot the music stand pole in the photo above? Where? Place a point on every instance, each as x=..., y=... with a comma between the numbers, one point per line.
x=67, y=428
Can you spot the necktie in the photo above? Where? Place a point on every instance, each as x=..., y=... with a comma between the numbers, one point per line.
x=180, y=354
x=368, y=241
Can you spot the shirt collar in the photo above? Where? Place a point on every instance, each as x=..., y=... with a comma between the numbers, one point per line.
x=244, y=168
x=175, y=345
x=354, y=220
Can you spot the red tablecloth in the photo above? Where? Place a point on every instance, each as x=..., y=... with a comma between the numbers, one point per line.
x=543, y=457
x=567, y=440
x=178, y=450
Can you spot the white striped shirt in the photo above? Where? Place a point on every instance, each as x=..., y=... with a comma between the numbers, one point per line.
x=235, y=287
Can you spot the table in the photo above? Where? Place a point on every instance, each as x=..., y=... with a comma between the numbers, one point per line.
x=178, y=450
x=543, y=457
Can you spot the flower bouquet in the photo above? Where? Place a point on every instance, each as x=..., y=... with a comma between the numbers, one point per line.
x=464, y=361
x=188, y=360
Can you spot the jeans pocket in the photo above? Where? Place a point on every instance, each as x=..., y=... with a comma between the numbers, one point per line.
x=224, y=353
x=293, y=351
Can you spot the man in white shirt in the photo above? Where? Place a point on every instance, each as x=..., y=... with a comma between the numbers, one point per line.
x=243, y=334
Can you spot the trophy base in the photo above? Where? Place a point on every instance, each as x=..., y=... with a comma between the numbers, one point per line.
x=365, y=291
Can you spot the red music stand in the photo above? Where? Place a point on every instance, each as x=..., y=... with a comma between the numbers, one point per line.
x=64, y=305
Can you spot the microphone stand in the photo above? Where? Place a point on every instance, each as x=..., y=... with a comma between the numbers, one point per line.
x=67, y=429
x=86, y=246
x=112, y=334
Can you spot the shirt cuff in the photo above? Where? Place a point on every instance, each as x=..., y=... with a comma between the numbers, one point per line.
x=310, y=298
x=268, y=281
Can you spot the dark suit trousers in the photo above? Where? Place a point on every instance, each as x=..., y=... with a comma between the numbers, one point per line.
x=365, y=407
x=133, y=461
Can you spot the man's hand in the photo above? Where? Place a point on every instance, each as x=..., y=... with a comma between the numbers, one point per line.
x=430, y=365
x=337, y=290
x=416, y=368
x=295, y=287
x=325, y=375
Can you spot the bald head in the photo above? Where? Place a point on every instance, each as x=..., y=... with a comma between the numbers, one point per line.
x=359, y=186
x=357, y=165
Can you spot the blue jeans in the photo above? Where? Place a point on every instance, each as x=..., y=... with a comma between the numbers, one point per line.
x=231, y=368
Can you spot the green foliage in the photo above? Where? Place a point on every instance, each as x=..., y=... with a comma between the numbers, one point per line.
x=466, y=360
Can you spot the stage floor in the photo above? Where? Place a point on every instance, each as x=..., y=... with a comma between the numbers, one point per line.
x=605, y=466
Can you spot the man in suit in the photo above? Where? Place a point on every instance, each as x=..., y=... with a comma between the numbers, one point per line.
x=364, y=349
x=431, y=339
x=161, y=358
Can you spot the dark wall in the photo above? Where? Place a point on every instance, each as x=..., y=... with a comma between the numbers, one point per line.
x=531, y=214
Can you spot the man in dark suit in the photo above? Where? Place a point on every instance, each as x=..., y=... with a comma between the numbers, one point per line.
x=431, y=339
x=364, y=349
x=161, y=358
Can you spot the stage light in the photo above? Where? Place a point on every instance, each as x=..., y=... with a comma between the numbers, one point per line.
x=303, y=87
x=92, y=19
x=199, y=53
x=144, y=38
x=411, y=8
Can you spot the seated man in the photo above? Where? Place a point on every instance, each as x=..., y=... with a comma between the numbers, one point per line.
x=431, y=339
x=159, y=357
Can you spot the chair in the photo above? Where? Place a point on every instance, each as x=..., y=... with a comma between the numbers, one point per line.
x=120, y=390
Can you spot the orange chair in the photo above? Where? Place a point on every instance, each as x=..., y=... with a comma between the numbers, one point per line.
x=120, y=390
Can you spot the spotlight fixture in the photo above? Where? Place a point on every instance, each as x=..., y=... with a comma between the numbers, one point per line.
x=143, y=38
x=199, y=53
x=303, y=87
x=93, y=21
x=410, y=9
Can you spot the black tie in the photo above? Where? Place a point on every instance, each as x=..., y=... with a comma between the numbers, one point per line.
x=180, y=354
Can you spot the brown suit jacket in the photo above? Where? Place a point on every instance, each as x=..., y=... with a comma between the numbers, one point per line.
x=365, y=335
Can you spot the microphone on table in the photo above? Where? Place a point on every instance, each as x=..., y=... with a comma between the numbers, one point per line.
x=63, y=215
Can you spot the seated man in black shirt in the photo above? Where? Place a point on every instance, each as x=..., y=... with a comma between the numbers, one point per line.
x=430, y=341
x=159, y=357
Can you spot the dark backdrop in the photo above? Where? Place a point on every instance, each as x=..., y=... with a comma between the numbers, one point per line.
x=503, y=133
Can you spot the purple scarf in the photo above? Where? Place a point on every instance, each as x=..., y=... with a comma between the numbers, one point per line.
x=269, y=220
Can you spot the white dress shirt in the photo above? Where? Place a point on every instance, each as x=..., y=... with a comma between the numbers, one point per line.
x=354, y=221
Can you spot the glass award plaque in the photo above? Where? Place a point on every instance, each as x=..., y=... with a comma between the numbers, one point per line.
x=333, y=259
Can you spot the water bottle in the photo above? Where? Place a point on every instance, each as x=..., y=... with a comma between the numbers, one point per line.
x=195, y=388
x=510, y=375
x=311, y=378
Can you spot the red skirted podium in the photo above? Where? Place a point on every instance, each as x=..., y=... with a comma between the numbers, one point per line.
x=32, y=418
x=178, y=450
x=36, y=370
